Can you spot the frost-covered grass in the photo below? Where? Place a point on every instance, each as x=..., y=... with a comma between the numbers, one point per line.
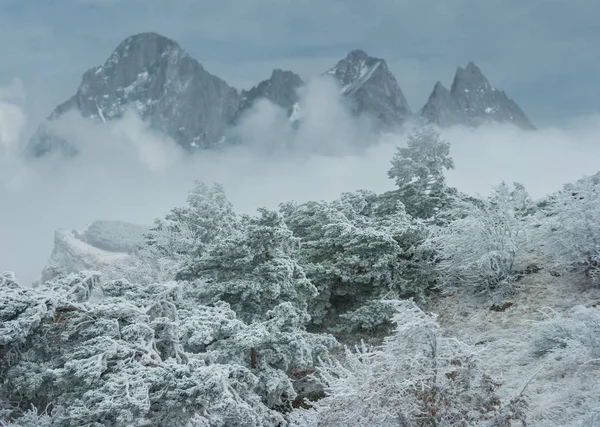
x=547, y=341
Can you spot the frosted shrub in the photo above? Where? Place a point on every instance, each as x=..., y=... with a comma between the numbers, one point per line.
x=483, y=248
x=357, y=250
x=572, y=227
x=416, y=378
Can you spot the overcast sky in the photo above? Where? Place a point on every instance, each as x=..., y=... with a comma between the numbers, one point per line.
x=543, y=53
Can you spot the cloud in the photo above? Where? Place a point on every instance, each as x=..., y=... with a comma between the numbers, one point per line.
x=128, y=171
x=12, y=117
x=327, y=126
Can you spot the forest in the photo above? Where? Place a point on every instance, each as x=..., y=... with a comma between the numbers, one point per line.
x=419, y=307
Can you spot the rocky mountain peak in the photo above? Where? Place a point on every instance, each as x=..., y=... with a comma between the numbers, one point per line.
x=371, y=88
x=442, y=108
x=470, y=82
x=281, y=89
x=154, y=76
x=472, y=101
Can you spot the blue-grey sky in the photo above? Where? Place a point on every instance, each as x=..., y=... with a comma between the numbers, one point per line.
x=543, y=53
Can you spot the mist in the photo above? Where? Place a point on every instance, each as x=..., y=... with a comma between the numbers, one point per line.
x=127, y=171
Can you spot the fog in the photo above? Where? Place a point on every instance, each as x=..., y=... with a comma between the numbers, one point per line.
x=127, y=171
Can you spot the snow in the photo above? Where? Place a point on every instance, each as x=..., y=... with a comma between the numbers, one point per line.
x=506, y=338
x=100, y=113
x=296, y=113
x=73, y=255
x=489, y=110
x=364, y=75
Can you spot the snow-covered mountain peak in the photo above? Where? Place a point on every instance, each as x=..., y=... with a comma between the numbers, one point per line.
x=155, y=77
x=472, y=101
x=281, y=89
x=371, y=87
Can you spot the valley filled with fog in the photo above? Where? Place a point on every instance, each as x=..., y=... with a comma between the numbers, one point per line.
x=129, y=172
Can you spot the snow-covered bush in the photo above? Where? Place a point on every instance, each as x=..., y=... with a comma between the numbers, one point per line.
x=568, y=345
x=254, y=270
x=416, y=378
x=484, y=246
x=575, y=337
x=572, y=226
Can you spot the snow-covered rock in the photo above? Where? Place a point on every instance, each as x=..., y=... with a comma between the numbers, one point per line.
x=104, y=246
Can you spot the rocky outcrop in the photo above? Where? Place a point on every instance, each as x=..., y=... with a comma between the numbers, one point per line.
x=104, y=246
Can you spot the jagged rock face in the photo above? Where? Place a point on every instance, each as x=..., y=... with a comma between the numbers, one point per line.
x=472, y=101
x=281, y=89
x=372, y=88
x=162, y=83
x=442, y=108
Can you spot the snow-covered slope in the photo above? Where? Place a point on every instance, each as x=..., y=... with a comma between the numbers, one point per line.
x=560, y=391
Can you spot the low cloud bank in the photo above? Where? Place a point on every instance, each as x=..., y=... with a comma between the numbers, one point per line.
x=129, y=172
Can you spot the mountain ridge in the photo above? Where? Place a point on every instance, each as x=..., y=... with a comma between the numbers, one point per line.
x=177, y=96
x=472, y=101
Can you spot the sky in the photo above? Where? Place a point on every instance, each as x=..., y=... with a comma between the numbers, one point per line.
x=543, y=53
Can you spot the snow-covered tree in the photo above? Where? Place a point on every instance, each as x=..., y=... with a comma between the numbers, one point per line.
x=483, y=247
x=355, y=250
x=186, y=232
x=256, y=272
x=418, y=171
x=80, y=352
x=417, y=377
x=253, y=270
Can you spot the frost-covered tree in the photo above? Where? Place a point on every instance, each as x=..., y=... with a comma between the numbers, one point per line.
x=570, y=226
x=80, y=352
x=417, y=377
x=253, y=270
x=418, y=171
x=257, y=274
x=356, y=250
x=186, y=232
x=483, y=247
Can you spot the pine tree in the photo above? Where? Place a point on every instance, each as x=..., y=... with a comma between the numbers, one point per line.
x=418, y=171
